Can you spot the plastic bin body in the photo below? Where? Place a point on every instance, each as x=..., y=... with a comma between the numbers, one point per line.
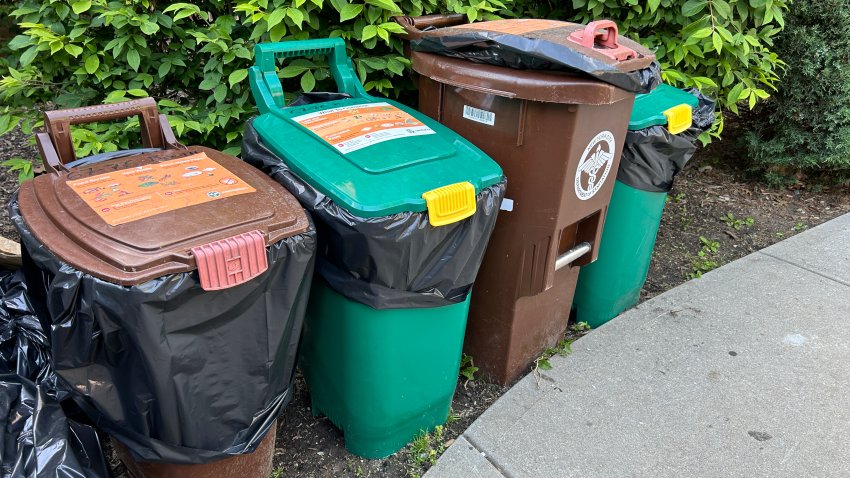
x=259, y=463
x=544, y=126
x=381, y=373
x=381, y=376
x=613, y=283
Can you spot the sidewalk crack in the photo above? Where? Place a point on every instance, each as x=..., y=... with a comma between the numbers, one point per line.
x=487, y=456
x=799, y=266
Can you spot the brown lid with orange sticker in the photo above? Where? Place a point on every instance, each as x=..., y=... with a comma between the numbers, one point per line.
x=132, y=219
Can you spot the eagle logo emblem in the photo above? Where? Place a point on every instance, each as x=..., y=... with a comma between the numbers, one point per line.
x=594, y=166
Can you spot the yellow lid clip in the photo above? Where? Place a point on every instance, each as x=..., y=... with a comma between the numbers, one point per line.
x=449, y=204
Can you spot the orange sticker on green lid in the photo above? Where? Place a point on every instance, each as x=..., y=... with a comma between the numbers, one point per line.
x=349, y=128
x=516, y=26
x=132, y=194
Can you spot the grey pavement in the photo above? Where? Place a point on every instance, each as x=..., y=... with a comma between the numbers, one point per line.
x=742, y=373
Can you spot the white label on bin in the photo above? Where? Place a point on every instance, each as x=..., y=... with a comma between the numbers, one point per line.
x=480, y=116
x=594, y=166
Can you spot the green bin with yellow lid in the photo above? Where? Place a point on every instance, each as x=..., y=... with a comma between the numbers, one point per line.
x=663, y=131
x=404, y=208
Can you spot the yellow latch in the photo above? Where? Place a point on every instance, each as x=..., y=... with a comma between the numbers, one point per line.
x=679, y=118
x=450, y=203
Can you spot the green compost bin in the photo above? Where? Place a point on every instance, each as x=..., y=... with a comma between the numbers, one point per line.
x=662, y=135
x=404, y=208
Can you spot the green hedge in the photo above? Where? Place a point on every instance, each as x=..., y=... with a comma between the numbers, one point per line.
x=806, y=124
x=193, y=57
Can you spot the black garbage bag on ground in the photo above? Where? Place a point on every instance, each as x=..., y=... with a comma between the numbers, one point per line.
x=534, y=50
x=160, y=365
x=653, y=156
x=38, y=440
x=395, y=261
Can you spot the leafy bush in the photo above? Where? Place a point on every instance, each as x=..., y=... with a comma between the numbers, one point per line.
x=722, y=47
x=806, y=124
x=192, y=57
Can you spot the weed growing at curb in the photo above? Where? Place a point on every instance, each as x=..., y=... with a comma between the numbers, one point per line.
x=467, y=367
x=562, y=348
x=425, y=449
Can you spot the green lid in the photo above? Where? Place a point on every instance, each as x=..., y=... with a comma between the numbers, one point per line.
x=662, y=106
x=373, y=156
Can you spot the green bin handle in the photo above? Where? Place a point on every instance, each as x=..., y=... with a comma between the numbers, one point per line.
x=265, y=84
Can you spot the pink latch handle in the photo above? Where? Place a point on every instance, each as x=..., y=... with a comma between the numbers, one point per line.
x=231, y=261
x=592, y=35
x=607, y=38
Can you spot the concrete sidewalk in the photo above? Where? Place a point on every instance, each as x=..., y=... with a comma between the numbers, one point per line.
x=743, y=373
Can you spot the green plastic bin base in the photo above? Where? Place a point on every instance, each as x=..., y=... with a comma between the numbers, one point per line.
x=612, y=284
x=380, y=376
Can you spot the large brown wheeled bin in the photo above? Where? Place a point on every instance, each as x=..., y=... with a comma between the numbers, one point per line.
x=558, y=134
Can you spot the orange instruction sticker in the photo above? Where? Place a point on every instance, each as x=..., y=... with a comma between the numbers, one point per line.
x=350, y=128
x=515, y=27
x=131, y=194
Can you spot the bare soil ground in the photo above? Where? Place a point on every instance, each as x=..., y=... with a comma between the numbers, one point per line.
x=709, y=189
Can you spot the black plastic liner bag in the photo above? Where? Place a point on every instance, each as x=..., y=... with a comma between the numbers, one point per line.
x=175, y=373
x=38, y=439
x=388, y=262
x=653, y=156
x=536, y=50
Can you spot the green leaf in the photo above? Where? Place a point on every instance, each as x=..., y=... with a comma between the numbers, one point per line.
x=297, y=16
x=543, y=364
x=220, y=92
x=350, y=11
x=392, y=27
x=28, y=56
x=237, y=76
x=20, y=41
x=653, y=5
x=73, y=50
x=76, y=32
x=133, y=59
x=149, y=28
x=164, y=68
x=369, y=31
x=92, y=64
x=276, y=17
x=209, y=83
x=735, y=93
x=278, y=32
x=80, y=6
x=115, y=96
x=385, y=4
x=308, y=81
x=137, y=92
x=692, y=7
x=291, y=71
x=702, y=33
x=722, y=8
x=717, y=42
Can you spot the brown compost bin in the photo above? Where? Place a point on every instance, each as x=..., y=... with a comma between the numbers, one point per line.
x=179, y=308
x=250, y=465
x=558, y=137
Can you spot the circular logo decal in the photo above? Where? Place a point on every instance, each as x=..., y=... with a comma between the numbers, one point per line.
x=594, y=166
